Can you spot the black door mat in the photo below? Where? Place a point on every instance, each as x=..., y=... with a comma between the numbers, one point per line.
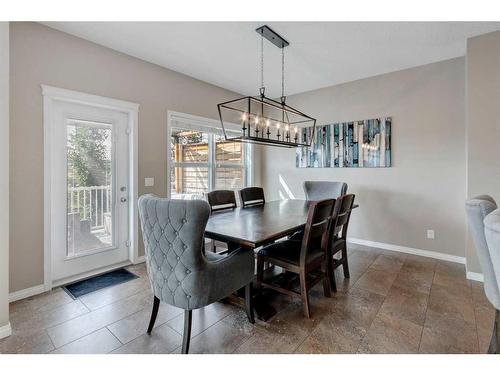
x=80, y=288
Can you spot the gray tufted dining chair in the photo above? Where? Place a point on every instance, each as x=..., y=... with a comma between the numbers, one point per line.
x=478, y=213
x=181, y=274
x=318, y=190
x=492, y=233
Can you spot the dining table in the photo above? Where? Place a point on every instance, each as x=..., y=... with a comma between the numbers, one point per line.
x=256, y=226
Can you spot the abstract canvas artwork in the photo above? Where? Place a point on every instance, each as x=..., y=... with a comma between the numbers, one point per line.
x=356, y=144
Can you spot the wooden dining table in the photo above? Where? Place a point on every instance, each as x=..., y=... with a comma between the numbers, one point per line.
x=257, y=226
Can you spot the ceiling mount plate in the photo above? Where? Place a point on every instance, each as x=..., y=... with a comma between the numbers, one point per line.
x=272, y=36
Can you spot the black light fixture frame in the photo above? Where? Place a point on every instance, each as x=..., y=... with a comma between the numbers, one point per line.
x=257, y=134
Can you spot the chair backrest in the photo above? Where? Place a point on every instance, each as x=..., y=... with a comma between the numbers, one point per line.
x=221, y=200
x=317, y=226
x=492, y=234
x=343, y=209
x=252, y=196
x=173, y=234
x=317, y=190
x=478, y=209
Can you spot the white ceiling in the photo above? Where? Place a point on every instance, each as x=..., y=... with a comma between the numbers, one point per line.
x=320, y=54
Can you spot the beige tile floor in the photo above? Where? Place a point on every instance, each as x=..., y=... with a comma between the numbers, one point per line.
x=393, y=303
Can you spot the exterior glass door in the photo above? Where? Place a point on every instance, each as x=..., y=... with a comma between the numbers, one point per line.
x=90, y=190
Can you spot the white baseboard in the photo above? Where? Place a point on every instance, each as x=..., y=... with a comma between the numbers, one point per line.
x=409, y=250
x=140, y=259
x=5, y=330
x=475, y=276
x=25, y=293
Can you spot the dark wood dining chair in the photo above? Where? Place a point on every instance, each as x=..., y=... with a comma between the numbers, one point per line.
x=307, y=258
x=221, y=200
x=252, y=196
x=340, y=224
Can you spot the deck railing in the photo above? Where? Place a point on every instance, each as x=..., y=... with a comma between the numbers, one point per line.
x=92, y=203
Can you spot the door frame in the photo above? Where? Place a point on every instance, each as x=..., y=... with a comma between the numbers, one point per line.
x=50, y=96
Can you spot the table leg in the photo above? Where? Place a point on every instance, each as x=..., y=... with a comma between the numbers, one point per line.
x=263, y=309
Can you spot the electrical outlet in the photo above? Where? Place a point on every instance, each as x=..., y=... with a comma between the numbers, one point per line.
x=430, y=234
x=149, y=181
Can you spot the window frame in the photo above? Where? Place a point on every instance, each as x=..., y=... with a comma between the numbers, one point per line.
x=177, y=120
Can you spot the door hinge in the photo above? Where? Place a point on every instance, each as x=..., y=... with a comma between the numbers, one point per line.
x=127, y=243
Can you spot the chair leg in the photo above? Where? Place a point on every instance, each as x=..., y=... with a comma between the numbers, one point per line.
x=260, y=271
x=345, y=265
x=494, y=348
x=154, y=313
x=326, y=280
x=186, y=337
x=249, y=302
x=497, y=331
x=331, y=275
x=304, y=294
x=493, y=342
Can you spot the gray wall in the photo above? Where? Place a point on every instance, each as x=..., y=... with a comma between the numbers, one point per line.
x=425, y=189
x=483, y=123
x=4, y=174
x=40, y=55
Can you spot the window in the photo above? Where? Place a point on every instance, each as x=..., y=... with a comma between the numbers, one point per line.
x=202, y=160
x=89, y=175
x=189, y=175
x=229, y=164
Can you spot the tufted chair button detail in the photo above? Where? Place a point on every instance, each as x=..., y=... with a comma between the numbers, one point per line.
x=188, y=296
x=178, y=283
x=184, y=221
x=188, y=271
x=185, y=247
x=177, y=258
x=176, y=233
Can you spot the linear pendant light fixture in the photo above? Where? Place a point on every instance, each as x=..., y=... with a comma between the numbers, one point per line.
x=263, y=120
